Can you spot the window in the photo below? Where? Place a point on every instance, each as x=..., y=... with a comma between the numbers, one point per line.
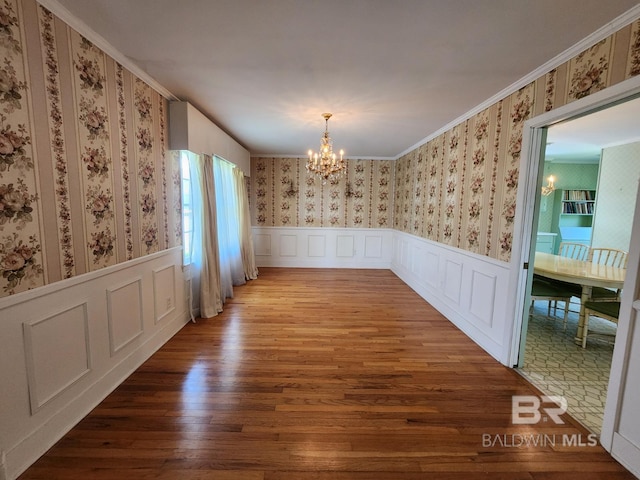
x=187, y=209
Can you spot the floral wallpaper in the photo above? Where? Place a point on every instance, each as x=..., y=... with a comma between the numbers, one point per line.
x=284, y=194
x=84, y=179
x=460, y=187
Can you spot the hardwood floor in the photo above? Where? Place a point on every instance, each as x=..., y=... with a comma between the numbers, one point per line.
x=320, y=374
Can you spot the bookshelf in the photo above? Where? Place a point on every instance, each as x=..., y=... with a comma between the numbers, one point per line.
x=573, y=212
x=578, y=202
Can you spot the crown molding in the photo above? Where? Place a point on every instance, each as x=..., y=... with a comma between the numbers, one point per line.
x=603, y=32
x=83, y=29
x=271, y=155
x=610, y=28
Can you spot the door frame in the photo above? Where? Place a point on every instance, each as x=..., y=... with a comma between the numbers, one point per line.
x=622, y=449
x=528, y=200
x=530, y=181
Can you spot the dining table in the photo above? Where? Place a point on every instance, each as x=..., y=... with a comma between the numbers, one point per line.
x=580, y=272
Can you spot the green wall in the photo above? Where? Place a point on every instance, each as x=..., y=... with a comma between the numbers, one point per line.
x=569, y=176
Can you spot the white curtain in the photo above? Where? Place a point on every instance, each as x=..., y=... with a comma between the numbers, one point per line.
x=231, y=269
x=205, y=261
x=244, y=223
x=217, y=231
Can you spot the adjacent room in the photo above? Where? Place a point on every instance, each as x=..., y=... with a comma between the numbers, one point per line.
x=337, y=239
x=591, y=174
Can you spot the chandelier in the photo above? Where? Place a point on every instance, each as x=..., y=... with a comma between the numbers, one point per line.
x=326, y=163
x=549, y=188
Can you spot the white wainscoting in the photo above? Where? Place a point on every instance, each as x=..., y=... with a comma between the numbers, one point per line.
x=66, y=346
x=469, y=289
x=66, y=331
x=323, y=247
x=124, y=314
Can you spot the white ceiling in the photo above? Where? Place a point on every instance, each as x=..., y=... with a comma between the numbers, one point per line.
x=391, y=72
x=581, y=139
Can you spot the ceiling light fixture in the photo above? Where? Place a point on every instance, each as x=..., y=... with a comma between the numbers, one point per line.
x=326, y=163
x=549, y=187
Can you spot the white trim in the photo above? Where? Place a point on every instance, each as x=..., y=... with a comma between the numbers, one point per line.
x=265, y=155
x=524, y=219
x=158, y=316
x=12, y=300
x=626, y=453
x=24, y=436
x=609, y=29
x=113, y=348
x=531, y=154
x=524, y=225
x=621, y=362
x=454, y=250
x=35, y=401
x=99, y=41
x=322, y=229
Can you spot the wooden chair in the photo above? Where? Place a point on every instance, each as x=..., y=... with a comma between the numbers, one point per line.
x=607, y=310
x=614, y=258
x=579, y=251
x=542, y=290
x=608, y=256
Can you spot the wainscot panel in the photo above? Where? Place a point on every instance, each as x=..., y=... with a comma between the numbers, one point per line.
x=124, y=307
x=322, y=247
x=465, y=287
x=66, y=345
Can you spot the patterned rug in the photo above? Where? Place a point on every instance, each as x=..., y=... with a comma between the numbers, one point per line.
x=555, y=364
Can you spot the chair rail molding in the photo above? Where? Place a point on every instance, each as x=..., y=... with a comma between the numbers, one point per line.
x=70, y=343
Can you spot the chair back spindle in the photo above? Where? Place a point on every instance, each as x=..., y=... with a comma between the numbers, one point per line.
x=578, y=251
x=608, y=256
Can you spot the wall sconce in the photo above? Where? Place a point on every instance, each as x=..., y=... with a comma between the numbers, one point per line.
x=291, y=190
x=549, y=188
x=348, y=190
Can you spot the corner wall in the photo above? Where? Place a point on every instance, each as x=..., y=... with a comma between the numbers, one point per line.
x=84, y=180
x=460, y=187
x=91, y=280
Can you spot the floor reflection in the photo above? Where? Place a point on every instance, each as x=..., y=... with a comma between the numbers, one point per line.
x=217, y=367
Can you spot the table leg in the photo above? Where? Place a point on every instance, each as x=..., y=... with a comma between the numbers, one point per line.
x=586, y=295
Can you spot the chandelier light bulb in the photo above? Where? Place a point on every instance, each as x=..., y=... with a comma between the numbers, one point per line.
x=550, y=187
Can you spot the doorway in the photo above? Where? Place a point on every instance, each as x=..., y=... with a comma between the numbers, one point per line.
x=564, y=368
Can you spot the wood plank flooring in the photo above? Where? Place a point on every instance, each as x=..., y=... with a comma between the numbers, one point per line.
x=320, y=374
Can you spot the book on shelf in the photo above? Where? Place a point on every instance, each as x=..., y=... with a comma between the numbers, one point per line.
x=577, y=207
x=578, y=195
